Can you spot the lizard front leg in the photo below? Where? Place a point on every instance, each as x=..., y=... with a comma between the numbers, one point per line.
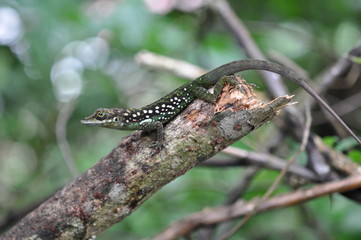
x=150, y=125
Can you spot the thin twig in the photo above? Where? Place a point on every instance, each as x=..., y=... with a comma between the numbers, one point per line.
x=342, y=107
x=243, y=37
x=211, y=216
x=65, y=112
x=177, y=67
x=233, y=195
x=276, y=183
x=337, y=70
x=246, y=158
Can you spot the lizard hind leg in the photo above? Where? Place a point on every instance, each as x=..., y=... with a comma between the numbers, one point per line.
x=204, y=94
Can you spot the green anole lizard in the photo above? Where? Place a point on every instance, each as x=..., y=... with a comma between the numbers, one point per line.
x=155, y=115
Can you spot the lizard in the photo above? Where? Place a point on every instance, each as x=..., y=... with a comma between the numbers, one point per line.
x=160, y=112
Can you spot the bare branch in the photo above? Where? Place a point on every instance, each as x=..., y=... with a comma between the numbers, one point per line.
x=211, y=216
x=249, y=158
x=177, y=67
x=243, y=37
x=66, y=109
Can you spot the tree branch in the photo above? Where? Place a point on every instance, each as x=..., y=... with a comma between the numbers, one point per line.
x=211, y=216
x=264, y=160
x=133, y=171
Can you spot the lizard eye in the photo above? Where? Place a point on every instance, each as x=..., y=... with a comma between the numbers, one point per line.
x=115, y=119
x=100, y=115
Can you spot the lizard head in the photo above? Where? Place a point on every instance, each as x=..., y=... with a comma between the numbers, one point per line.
x=105, y=117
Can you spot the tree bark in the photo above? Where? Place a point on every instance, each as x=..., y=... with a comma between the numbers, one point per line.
x=133, y=171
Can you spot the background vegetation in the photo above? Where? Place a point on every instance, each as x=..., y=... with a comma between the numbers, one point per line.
x=56, y=55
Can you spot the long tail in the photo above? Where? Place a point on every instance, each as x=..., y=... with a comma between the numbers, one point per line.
x=212, y=77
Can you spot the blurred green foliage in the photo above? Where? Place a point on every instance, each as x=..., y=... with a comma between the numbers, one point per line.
x=81, y=53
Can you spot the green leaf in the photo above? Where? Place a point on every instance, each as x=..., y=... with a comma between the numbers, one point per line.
x=330, y=140
x=346, y=144
x=355, y=155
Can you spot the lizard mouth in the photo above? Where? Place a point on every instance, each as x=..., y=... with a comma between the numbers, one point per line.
x=87, y=121
x=84, y=121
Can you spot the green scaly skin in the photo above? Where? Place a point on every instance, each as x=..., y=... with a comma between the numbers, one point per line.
x=155, y=115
